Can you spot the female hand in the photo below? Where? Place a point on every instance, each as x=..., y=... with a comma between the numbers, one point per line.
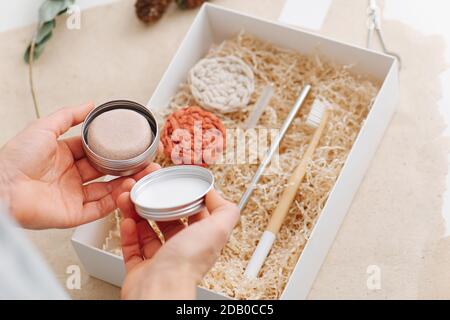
x=172, y=270
x=44, y=180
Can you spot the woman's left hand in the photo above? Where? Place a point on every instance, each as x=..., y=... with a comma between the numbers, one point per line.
x=46, y=181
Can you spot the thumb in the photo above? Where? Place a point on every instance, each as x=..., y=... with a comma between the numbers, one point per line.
x=224, y=214
x=62, y=120
x=197, y=247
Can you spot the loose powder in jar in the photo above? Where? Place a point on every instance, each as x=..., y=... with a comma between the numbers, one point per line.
x=119, y=134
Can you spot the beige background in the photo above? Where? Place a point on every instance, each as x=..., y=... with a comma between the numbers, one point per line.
x=395, y=221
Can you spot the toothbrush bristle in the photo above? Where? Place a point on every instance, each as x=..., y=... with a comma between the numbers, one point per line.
x=315, y=115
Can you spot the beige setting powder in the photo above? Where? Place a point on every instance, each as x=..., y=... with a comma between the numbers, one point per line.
x=119, y=134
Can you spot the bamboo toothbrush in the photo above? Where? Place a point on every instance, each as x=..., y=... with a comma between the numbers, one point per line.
x=274, y=147
x=317, y=118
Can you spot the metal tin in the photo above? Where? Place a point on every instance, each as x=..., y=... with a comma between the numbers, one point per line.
x=172, y=193
x=121, y=167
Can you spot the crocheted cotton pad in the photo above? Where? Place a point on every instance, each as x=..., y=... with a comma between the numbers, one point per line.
x=223, y=84
x=119, y=134
x=209, y=145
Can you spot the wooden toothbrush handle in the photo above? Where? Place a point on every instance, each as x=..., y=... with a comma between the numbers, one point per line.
x=295, y=180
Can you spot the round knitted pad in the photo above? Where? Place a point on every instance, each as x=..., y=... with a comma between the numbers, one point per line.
x=204, y=148
x=119, y=134
x=223, y=84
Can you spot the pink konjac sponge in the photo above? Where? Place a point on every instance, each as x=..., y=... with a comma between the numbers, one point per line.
x=119, y=134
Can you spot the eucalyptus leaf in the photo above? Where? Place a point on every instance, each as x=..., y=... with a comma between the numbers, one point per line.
x=38, y=48
x=48, y=11
x=45, y=39
x=52, y=8
x=44, y=30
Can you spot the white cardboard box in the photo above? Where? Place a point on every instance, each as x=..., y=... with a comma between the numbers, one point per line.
x=214, y=24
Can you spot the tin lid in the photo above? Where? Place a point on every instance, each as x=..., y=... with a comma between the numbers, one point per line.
x=172, y=193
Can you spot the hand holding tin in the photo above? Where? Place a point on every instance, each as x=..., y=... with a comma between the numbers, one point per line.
x=187, y=252
x=47, y=178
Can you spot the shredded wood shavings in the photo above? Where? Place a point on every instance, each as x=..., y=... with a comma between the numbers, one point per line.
x=112, y=241
x=351, y=97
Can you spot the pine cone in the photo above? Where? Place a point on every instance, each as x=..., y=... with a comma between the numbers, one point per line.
x=189, y=4
x=151, y=10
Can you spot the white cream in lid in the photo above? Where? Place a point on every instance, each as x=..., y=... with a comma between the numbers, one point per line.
x=173, y=192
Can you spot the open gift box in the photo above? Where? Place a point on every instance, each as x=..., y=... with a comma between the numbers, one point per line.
x=213, y=25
